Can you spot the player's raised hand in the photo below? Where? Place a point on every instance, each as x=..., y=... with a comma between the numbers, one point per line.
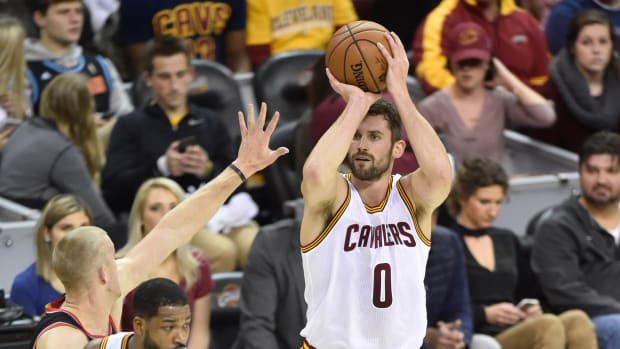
x=398, y=63
x=254, y=152
x=348, y=91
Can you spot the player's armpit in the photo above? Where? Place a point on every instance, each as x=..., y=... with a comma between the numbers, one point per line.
x=320, y=205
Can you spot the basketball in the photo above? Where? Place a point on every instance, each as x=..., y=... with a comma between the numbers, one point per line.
x=353, y=58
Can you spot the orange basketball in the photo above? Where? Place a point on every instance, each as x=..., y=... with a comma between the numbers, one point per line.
x=353, y=58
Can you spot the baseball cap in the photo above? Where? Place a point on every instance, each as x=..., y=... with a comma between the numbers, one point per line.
x=468, y=40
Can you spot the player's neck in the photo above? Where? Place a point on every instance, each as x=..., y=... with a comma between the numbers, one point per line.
x=135, y=343
x=372, y=192
x=88, y=308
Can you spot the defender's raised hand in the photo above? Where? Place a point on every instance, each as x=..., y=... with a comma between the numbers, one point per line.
x=254, y=152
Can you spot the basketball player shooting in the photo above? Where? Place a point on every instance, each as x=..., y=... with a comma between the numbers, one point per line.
x=365, y=236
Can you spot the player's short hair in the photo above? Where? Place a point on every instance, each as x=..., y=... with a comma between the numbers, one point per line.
x=42, y=5
x=471, y=175
x=390, y=113
x=602, y=142
x=155, y=293
x=166, y=46
x=78, y=255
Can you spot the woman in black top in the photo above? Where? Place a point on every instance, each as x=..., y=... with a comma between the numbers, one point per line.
x=495, y=262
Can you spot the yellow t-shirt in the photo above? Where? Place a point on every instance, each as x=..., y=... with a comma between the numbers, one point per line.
x=296, y=24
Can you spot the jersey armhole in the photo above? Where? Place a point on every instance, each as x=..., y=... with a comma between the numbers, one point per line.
x=412, y=212
x=332, y=222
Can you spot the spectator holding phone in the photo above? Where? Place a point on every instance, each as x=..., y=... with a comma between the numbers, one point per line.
x=170, y=137
x=470, y=116
x=497, y=269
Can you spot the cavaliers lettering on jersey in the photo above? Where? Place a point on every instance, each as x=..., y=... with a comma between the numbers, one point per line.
x=100, y=84
x=364, y=276
x=116, y=341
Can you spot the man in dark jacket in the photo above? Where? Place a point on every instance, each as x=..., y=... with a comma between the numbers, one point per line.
x=576, y=255
x=169, y=137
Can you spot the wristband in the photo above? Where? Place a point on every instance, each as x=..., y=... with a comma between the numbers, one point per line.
x=238, y=171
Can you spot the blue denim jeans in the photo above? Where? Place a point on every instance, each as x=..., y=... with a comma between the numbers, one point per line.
x=607, y=331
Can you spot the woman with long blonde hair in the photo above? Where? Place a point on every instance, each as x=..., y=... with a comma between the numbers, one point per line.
x=57, y=152
x=68, y=102
x=186, y=266
x=38, y=285
x=12, y=67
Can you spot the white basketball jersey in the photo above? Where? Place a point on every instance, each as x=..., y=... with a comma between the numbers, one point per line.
x=116, y=341
x=365, y=276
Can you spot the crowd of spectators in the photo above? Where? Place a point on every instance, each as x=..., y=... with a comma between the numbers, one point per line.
x=75, y=145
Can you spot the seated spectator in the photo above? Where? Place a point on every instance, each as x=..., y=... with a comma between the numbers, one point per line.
x=469, y=116
x=161, y=319
x=518, y=41
x=57, y=51
x=495, y=269
x=557, y=26
x=272, y=295
x=576, y=251
x=146, y=143
x=450, y=322
x=172, y=138
x=213, y=30
x=273, y=309
x=276, y=27
x=584, y=84
x=38, y=284
x=57, y=152
x=186, y=266
x=12, y=69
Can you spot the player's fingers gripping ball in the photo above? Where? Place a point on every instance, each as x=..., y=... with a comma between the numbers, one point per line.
x=353, y=57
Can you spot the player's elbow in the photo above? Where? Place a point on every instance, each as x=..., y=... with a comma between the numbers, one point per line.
x=441, y=178
x=312, y=171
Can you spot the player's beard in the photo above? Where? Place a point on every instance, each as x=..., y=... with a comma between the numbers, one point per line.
x=150, y=344
x=371, y=172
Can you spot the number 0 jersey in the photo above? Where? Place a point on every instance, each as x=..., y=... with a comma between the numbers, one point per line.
x=364, y=276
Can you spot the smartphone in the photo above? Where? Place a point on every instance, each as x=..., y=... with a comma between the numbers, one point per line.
x=185, y=142
x=490, y=73
x=106, y=115
x=526, y=302
x=10, y=123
